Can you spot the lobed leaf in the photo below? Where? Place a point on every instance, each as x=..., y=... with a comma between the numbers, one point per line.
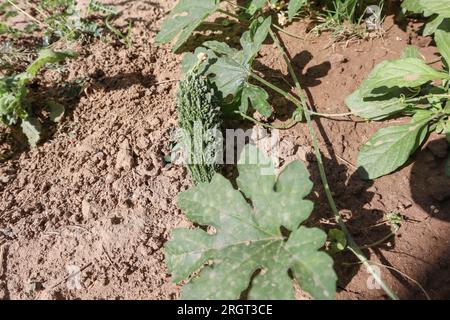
x=184, y=19
x=230, y=70
x=258, y=98
x=247, y=237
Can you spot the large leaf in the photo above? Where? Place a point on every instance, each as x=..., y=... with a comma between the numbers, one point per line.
x=376, y=107
x=184, y=19
x=48, y=56
x=390, y=148
x=440, y=7
x=230, y=75
x=247, y=237
x=442, y=38
x=408, y=72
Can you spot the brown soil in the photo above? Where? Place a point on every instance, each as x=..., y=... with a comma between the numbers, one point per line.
x=98, y=194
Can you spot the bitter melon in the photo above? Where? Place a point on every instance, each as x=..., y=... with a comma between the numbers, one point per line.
x=199, y=117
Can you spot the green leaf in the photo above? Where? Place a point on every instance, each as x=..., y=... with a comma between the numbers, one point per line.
x=390, y=148
x=246, y=237
x=57, y=111
x=408, y=72
x=442, y=38
x=440, y=7
x=48, y=56
x=432, y=25
x=192, y=59
x=184, y=19
x=231, y=70
x=294, y=7
x=412, y=6
x=258, y=98
x=411, y=52
x=230, y=76
x=255, y=5
x=376, y=107
x=252, y=40
x=32, y=128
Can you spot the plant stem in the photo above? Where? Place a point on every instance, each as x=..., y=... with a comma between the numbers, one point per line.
x=382, y=240
x=294, y=100
x=287, y=32
x=278, y=90
x=353, y=247
x=330, y=115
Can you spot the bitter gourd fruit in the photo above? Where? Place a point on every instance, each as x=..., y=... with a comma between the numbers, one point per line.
x=199, y=117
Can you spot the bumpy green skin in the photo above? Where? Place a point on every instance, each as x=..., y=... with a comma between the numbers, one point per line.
x=198, y=102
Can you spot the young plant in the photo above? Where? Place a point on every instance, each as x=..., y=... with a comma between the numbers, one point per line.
x=230, y=69
x=437, y=10
x=408, y=86
x=64, y=20
x=255, y=229
x=15, y=103
x=340, y=19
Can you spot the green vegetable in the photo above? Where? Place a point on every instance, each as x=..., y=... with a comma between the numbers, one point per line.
x=198, y=108
x=248, y=237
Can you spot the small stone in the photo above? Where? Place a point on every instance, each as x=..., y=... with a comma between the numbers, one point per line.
x=86, y=208
x=125, y=158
